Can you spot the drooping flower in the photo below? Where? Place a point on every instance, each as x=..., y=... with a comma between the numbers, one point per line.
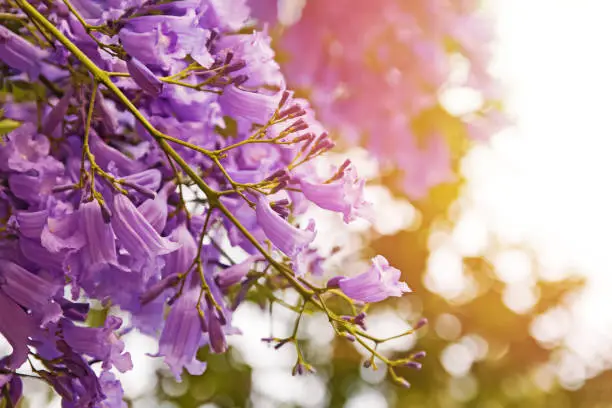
x=247, y=106
x=234, y=274
x=283, y=235
x=214, y=327
x=32, y=292
x=182, y=336
x=155, y=211
x=27, y=151
x=16, y=326
x=57, y=114
x=98, y=342
x=344, y=194
x=181, y=260
x=144, y=78
x=157, y=288
x=135, y=233
x=376, y=284
x=20, y=54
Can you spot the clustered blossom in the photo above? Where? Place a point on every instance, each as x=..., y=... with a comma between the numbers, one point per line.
x=159, y=134
x=375, y=70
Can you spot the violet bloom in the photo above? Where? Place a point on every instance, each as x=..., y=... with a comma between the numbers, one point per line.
x=16, y=326
x=228, y=14
x=105, y=155
x=135, y=233
x=344, y=195
x=20, y=54
x=376, y=284
x=28, y=151
x=30, y=291
x=252, y=107
x=284, y=236
x=164, y=40
x=57, y=114
x=156, y=211
x=214, y=327
x=159, y=287
x=100, y=241
x=98, y=342
x=81, y=387
x=255, y=50
x=234, y=274
x=113, y=391
x=182, y=336
x=181, y=260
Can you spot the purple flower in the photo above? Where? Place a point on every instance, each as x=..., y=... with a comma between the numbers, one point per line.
x=154, y=47
x=31, y=224
x=100, y=246
x=20, y=54
x=41, y=257
x=159, y=287
x=16, y=326
x=28, y=151
x=156, y=211
x=165, y=40
x=81, y=387
x=106, y=154
x=344, y=194
x=180, y=261
x=283, y=235
x=214, y=327
x=109, y=223
x=226, y=14
x=30, y=291
x=148, y=179
x=10, y=385
x=56, y=115
x=376, y=284
x=234, y=274
x=100, y=343
x=247, y=106
x=135, y=233
x=254, y=49
x=66, y=231
x=182, y=336
x=113, y=391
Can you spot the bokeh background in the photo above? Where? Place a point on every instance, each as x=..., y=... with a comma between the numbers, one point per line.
x=487, y=144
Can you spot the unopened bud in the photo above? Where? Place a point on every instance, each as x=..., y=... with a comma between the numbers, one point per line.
x=144, y=78
x=334, y=282
x=422, y=322
x=414, y=365
x=284, y=98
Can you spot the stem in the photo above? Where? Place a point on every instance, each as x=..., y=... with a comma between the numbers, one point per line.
x=9, y=16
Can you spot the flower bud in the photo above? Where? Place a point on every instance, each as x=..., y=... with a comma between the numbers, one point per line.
x=144, y=78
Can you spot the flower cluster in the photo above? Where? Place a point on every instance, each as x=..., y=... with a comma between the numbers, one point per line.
x=141, y=142
x=375, y=70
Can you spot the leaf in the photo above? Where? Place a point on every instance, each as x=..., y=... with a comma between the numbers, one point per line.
x=8, y=125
